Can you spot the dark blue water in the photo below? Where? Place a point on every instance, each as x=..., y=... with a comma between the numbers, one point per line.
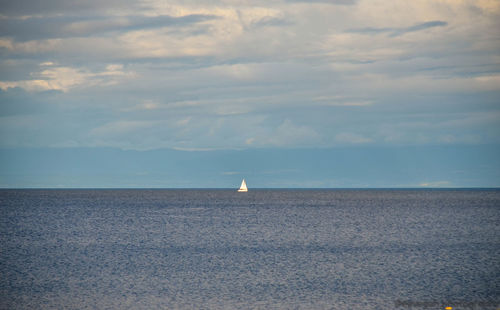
x=265, y=249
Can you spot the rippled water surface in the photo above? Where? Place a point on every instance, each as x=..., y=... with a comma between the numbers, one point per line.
x=265, y=249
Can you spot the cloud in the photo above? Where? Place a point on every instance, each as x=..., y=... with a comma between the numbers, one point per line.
x=270, y=21
x=230, y=74
x=62, y=78
x=36, y=28
x=27, y=7
x=16, y=101
x=351, y=138
x=393, y=32
x=287, y=134
x=120, y=127
x=425, y=25
x=342, y=101
x=334, y=2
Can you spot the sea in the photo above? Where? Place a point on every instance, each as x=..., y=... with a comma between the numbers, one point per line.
x=264, y=249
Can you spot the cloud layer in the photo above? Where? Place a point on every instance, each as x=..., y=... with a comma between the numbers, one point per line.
x=198, y=75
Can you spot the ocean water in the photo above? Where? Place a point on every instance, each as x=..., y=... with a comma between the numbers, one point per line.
x=265, y=249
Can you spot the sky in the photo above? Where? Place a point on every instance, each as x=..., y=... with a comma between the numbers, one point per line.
x=330, y=80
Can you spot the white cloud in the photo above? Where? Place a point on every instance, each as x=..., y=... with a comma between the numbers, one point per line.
x=342, y=101
x=120, y=127
x=239, y=74
x=290, y=134
x=184, y=121
x=65, y=78
x=351, y=138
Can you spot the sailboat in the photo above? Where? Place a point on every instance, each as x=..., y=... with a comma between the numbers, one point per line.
x=243, y=187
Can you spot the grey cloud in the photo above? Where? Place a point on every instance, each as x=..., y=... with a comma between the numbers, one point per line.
x=198, y=123
x=370, y=30
x=271, y=21
x=17, y=101
x=336, y=2
x=63, y=27
x=29, y=7
x=426, y=25
x=419, y=27
x=17, y=70
x=240, y=91
x=393, y=32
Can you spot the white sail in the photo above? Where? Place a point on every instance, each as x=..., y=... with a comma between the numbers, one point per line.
x=243, y=187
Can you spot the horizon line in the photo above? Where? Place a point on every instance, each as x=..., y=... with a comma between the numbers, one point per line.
x=254, y=188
